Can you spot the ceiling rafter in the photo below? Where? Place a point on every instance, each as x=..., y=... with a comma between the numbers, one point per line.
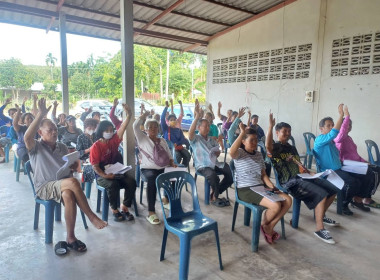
x=230, y=7
x=59, y=6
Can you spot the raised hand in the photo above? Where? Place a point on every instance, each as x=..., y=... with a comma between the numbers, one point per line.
x=35, y=97
x=345, y=110
x=146, y=114
x=180, y=102
x=241, y=112
x=8, y=101
x=219, y=104
x=242, y=128
x=42, y=107
x=272, y=121
x=17, y=108
x=90, y=109
x=340, y=109
x=128, y=110
x=171, y=101
x=210, y=107
x=55, y=104
x=196, y=102
x=24, y=100
x=115, y=102
x=152, y=112
x=166, y=103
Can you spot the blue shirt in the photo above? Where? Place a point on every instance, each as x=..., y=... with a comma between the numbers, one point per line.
x=4, y=119
x=326, y=152
x=202, y=152
x=231, y=131
x=176, y=135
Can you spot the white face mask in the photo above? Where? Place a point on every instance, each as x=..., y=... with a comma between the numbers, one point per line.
x=90, y=131
x=107, y=135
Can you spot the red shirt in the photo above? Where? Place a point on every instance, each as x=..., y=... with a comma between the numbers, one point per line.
x=105, y=153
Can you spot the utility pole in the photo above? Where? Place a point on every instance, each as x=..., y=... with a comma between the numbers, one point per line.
x=167, y=75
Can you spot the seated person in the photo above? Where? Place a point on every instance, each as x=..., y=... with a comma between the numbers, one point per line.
x=69, y=133
x=26, y=121
x=94, y=115
x=8, y=136
x=46, y=159
x=227, y=120
x=84, y=143
x=250, y=172
x=205, y=158
x=105, y=151
x=317, y=194
x=214, y=132
x=348, y=151
x=175, y=135
x=253, y=123
x=155, y=156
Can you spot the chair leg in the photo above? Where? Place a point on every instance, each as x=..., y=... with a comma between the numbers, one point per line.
x=305, y=161
x=15, y=164
x=283, y=228
x=141, y=191
x=236, y=207
x=49, y=223
x=135, y=206
x=339, y=203
x=18, y=165
x=256, y=223
x=88, y=189
x=98, y=201
x=184, y=257
x=36, y=215
x=207, y=192
x=163, y=246
x=218, y=246
x=310, y=161
x=6, y=150
x=84, y=219
x=227, y=194
x=296, y=212
x=247, y=216
x=58, y=211
x=105, y=206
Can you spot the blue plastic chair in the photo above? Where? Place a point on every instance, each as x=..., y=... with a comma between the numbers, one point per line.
x=308, y=136
x=371, y=144
x=293, y=143
x=340, y=194
x=263, y=150
x=257, y=212
x=51, y=206
x=102, y=193
x=185, y=225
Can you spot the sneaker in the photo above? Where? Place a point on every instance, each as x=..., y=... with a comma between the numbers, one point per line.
x=325, y=236
x=347, y=211
x=330, y=222
x=361, y=206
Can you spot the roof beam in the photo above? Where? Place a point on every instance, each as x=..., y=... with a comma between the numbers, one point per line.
x=244, y=22
x=59, y=5
x=230, y=7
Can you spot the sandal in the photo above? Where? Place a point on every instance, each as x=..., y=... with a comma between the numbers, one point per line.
x=118, y=217
x=226, y=201
x=373, y=204
x=218, y=203
x=275, y=236
x=77, y=245
x=153, y=219
x=128, y=216
x=60, y=248
x=268, y=237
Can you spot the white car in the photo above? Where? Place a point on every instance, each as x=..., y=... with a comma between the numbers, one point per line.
x=98, y=105
x=138, y=102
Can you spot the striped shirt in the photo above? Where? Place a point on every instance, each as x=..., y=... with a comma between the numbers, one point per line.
x=248, y=169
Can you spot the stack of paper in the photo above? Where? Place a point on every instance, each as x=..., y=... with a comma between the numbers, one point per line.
x=355, y=167
x=117, y=168
x=332, y=177
x=262, y=190
x=65, y=171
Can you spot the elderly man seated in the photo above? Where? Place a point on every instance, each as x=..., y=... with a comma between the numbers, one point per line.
x=46, y=159
x=206, y=151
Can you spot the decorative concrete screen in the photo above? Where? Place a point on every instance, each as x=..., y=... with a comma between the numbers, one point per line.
x=357, y=55
x=278, y=64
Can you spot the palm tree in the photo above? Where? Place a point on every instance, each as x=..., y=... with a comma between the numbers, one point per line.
x=50, y=61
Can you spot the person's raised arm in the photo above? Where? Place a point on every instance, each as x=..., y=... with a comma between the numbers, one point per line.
x=249, y=119
x=171, y=105
x=53, y=112
x=32, y=129
x=219, y=107
x=23, y=104
x=269, y=138
x=194, y=123
x=2, y=116
x=16, y=118
x=181, y=108
x=164, y=126
x=123, y=126
x=343, y=132
x=84, y=115
x=237, y=143
x=234, y=125
x=136, y=127
x=35, y=109
x=211, y=111
x=339, y=121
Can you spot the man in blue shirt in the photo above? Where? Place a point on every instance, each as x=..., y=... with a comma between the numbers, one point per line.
x=327, y=156
x=6, y=133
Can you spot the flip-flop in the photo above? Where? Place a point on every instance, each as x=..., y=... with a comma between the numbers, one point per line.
x=373, y=204
x=151, y=219
x=275, y=236
x=218, y=203
x=60, y=248
x=226, y=201
x=78, y=246
x=128, y=216
x=268, y=237
x=118, y=217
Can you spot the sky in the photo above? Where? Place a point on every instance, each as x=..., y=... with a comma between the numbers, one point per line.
x=31, y=45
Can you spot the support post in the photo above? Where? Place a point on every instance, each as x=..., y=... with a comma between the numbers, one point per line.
x=64, y=73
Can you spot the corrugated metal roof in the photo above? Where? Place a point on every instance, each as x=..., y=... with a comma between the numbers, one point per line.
x=187, y=27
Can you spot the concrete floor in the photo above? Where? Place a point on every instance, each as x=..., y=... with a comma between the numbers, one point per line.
x=130, y=250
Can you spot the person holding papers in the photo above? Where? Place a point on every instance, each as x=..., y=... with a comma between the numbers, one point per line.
x=206, y=152
x=348, y=152
x=46, y=159
x=327, y=156
x=250, y=172
x=104, y=153
x=317, y=194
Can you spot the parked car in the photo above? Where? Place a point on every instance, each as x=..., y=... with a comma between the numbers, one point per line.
x=138, y=102
x=188, y=110
x=98, y=105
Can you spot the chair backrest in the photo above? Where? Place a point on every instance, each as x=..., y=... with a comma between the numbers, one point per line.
x=172, y=183
x=278, y=185
x=308, y=136
x=371, y=144
x=263, y=149
x=29, y=172
x=316, y=160
x=292, y=141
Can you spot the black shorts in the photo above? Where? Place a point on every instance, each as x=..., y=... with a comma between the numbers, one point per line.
x=311, y=192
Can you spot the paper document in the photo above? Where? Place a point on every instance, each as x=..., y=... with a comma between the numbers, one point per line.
x=332, y=177
x=355, y=167
x=262, y=190
x=172, y=169
x=117, y=168
x=65, y=171
x=72, y=144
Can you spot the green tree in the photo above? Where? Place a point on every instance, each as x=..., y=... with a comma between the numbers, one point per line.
x=50, y=61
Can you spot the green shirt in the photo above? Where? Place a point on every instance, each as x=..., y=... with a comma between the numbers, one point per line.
x=213, y=131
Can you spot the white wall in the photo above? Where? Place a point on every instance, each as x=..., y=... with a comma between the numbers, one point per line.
x=305, y=21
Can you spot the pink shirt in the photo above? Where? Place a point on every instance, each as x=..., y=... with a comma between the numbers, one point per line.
x=114, y=119
x=346, y=146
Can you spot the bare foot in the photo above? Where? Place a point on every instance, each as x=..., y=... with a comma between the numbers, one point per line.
x=97, y=222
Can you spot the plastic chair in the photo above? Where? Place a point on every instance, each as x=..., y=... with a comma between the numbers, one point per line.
x=102, y=193
x=293, y=143
x=17, y=166
x=207, y=187
x=185, y=225
x=51, y=206
x=256, y=210
x=340, y=194
x=308, y=136
x=86, y=186
x=263, y=150
x=371, y=144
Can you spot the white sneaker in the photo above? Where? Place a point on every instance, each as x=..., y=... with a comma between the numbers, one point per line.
x=325, y=236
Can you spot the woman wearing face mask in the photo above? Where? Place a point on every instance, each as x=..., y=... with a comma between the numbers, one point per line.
x=84, y=143
x=26, y=120
x=69, y=133
x=105, y=152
